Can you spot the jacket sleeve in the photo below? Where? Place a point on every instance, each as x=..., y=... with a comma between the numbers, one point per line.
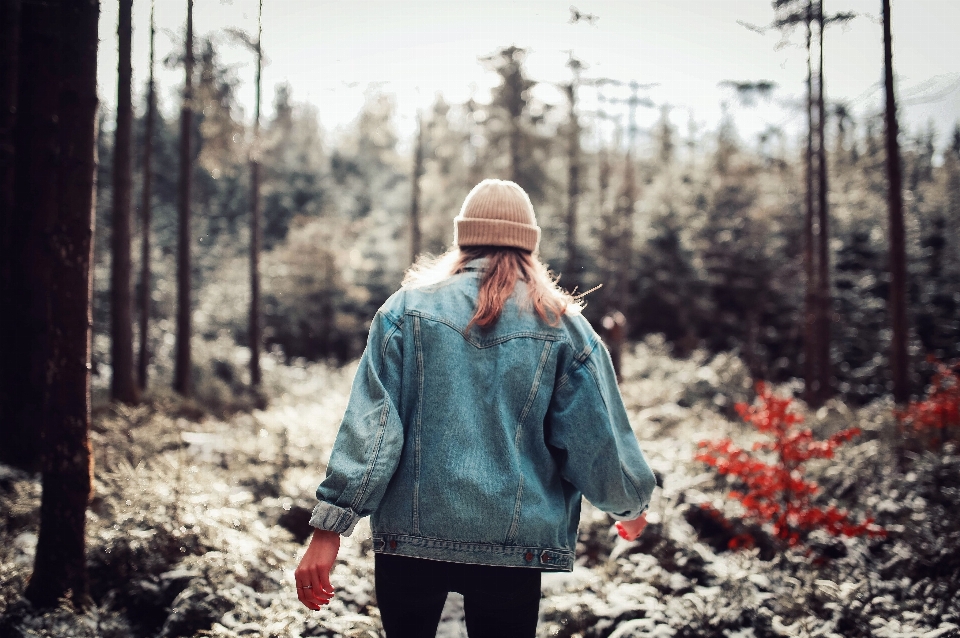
x=588, y=430
x=367, y=448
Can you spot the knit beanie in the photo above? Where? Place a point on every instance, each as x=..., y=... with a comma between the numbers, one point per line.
x=497, y=213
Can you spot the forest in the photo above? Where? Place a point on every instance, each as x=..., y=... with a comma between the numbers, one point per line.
x=185, y=298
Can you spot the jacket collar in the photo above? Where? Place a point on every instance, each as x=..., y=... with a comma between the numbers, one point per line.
x=476, y=265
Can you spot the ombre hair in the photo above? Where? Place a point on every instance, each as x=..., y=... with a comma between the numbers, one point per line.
x=503, y=268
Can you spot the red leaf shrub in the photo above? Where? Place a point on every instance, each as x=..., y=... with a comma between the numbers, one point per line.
x=776, y=492
x=939, y=412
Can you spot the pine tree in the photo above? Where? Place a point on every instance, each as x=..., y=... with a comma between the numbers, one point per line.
x=122, y=386
x=145, y=210
x=181, y=375
x=60, y=561
x=898, y=257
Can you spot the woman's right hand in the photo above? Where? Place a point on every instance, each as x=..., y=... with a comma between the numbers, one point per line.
x=631, y=530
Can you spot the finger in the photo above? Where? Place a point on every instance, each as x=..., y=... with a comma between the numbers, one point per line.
x=302, y=595
x=325, y=585
x=321, y=594
x=307, y=598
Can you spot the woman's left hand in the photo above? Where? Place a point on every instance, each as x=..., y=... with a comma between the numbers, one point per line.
x=313, y=574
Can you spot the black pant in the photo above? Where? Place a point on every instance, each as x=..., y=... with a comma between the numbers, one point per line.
x=501, y=602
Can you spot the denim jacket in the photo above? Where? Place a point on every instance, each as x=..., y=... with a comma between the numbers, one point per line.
x=475, y=446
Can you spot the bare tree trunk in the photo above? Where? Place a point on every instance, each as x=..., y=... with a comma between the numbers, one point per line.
x=898, y=259
x=624, y=222
x=810, y=350
x=122, y=387
x=825, y=305
x=573, y=189
x=144, y=357
x=18, y=440
x=256, y=333
x=60, y=563
x=35, y=199
x=181, y=374
x=416, y=237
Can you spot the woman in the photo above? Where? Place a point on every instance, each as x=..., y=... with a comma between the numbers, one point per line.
x=483, y=408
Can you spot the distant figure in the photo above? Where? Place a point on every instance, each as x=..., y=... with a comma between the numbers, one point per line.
x=483, y=408
x=614, y=333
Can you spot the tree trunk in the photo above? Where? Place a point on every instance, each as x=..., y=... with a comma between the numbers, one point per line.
x=416, y=237
x=898, y=255
x=181, y=374
x=122, y=387
x=573, y=190
x=825, y=305
x=810, y=349
x=60, y=563
x=144, y=357
x=35, y=200
x=624, y=223
x=19, y=441
x=255, y=237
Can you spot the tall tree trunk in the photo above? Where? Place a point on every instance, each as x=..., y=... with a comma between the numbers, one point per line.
x=624, y=222
x=810, y=350
x=573, y=189
x=60, y=562
x=18, y=440
x=181, y=374
x=825, y=305
x=256, y=335
x=144, y=356
x=35, y=200
x=416, y=237
x=122, y=387
x=898, y=254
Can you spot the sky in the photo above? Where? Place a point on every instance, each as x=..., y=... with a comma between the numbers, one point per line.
x=332, y=53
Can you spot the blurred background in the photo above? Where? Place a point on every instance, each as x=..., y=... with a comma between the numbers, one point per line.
x=662, y=143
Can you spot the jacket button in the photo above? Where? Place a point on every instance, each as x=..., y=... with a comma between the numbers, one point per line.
x=393, y=544
x=528, y=556
x=544, y=558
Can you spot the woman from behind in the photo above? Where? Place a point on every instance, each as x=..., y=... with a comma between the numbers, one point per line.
x=483, y=409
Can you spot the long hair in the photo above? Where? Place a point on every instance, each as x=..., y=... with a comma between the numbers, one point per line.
x=503, y=268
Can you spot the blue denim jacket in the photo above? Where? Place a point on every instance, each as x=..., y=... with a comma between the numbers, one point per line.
x=476, y=446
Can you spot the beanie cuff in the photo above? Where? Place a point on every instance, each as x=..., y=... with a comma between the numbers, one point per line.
x=495, y=232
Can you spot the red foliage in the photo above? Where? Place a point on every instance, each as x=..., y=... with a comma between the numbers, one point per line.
x=776, y=492
x=939, y=411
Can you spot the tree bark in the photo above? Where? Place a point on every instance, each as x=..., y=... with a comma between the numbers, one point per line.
x=810, y=350
x=60, y=564
x=898, y=259
x=256, y=335
x=20, y=443
x=181, y=374
x=416, y=237
x=122, y=387
x=825, y=305
x=144, y=356
x=35, y=199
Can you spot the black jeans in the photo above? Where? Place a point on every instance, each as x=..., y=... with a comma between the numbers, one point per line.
x=501, y=602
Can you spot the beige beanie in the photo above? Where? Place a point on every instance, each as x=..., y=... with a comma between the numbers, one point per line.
x=497, y=213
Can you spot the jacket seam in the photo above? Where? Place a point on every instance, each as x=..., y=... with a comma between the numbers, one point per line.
x=418, y=347
x=579, y=359
x=534, y=390
x=495, y=342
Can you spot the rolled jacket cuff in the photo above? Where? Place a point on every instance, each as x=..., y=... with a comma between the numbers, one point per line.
x=329, y=517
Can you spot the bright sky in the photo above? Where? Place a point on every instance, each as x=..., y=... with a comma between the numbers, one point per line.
x=331, y=51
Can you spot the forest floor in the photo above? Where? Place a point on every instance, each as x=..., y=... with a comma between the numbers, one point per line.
x=198, y=522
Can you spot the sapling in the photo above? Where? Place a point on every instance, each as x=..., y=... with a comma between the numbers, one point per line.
x=771, y=484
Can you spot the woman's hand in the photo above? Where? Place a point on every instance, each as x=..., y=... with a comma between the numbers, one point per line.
x=630, y=530
x=313, y=574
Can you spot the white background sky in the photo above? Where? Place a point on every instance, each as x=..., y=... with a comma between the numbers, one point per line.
x=330, y=51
